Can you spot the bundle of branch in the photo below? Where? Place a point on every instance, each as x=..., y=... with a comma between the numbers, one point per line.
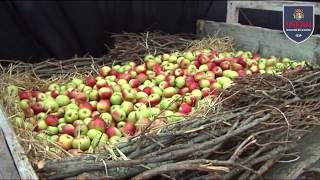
x=261, y=118
x=133, y=47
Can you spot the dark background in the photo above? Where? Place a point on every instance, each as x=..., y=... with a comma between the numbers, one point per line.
x=37, y=30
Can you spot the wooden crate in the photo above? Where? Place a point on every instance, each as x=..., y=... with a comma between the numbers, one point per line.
x=262, y=40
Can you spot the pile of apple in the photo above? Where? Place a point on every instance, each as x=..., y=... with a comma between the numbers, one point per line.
x=122, y=100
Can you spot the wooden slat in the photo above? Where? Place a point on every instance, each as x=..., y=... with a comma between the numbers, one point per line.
x=264, y=41
x=234, y=6
x=7, y=167
x=21, y=160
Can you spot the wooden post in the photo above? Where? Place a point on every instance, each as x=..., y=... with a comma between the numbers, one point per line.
x=22, y=163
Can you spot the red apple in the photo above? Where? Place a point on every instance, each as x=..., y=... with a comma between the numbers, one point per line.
x=97, y=123
x=81, y=97
x=183, y=90
x=25, y=94
x=199, y=75
x=192, y=86
x=129, y=129
x=113, y=131
x=185, y=108
x=142, y=77
x=147, y=90
x=52, y=120
x=91, y=81
x=37, y=108
x=103, y=105
x=105, y=92
x=68, y=129
x=54, y=93
x=225, y=65
x=87, y=105
x=217, y=71
x=134, y=83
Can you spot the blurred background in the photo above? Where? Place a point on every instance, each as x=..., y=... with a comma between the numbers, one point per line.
x=36, y=30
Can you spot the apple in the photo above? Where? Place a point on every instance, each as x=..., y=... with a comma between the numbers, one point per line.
x=101, y=83
x=103, y=105
x=180, y=82
x=99, y=140
x=97, y=123
x=147, y=90
x=19, y=122
x=41, y=125
x=185, y=108
x=90, y=81
x=190, y=99
x=199, y=75
x=92, y=133
x=129, y=95
x=53, y=86
x=41, y=96
x=157, y=90
x=81, y=129
x=52, y=120
x=132, y=117
x=71, y=115
x=164, y=84
x=142, y=123
x=62, y=100
x=144, y=112
x=154, y=99
x=204, y=83
x=128, y=129
x=169, y=92
x=192, y=86
x=189, y=55
x=114, y=140
x=225, y=65
x=88, y=105
x=52, y=130
x=84, y=113
x=230, y=74
x=24, y=104
x=81, y=97
x=203, y=68
x=118, y=114
x=127, y=106
x=192, y=69
x=28, y=112
x=105, y=92
x=41, y=116
x=106, y=117
x=65, y=141
x=86, y=121
x=134, y=83
x=216, y=85
x=81, y=142
x=142, y=77
x=113, y=131
x=72, y=106
x=12, y=90
x=254, y=69
x=116, y=99
x=141, y=68
x=104, y=71
x=37, y=108
x=168, y=104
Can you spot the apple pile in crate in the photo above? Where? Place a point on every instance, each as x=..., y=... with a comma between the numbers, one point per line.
x=124, y=99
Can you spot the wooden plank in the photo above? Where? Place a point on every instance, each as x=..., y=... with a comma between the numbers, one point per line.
x=234, y=6
x=264, y=41
x=7, y=167
x=21, y=160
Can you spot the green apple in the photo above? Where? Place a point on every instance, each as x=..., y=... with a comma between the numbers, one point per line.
x=159, y=78
x=65, y=141
x=53, y=138
x=53, y=86
x=77, y=81
x=230, y=74
x=142, y=113
x=118, y=115
x=116, y=99
x=12, y=90
x=189, y=55
x=73, y=106
x=99, y=140
x=42, y=125
x=106, y=117
x=50, y=105
x=197, y=93
x=169, y=92
x=92, y=133
x=62, y=100
x=81, y=142
x=84, y=113
x=127, y=106
x=19, y=122
x=132, y=117
x=87, y=120
x=155, y=111
x=204, y=83
x=168, y=104
x=81, y=129
x=180, y=81
x=71, y=115
x=41, y=116
x=203, y=68
x=52, y=130
x=114, y=140
x=41, y=136
x=157, y=90
x=139, y=106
